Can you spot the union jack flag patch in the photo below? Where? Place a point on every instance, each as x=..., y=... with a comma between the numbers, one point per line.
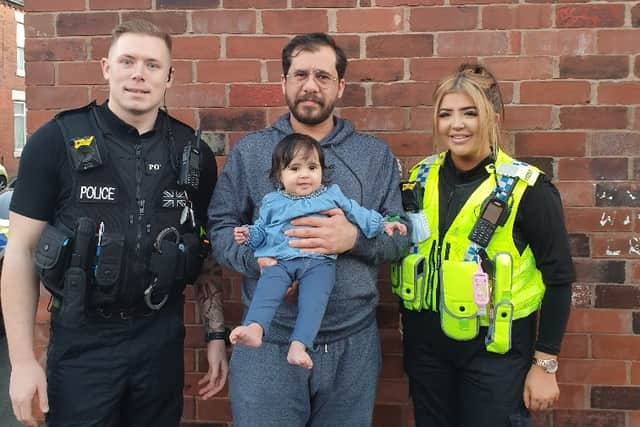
x=174, y=199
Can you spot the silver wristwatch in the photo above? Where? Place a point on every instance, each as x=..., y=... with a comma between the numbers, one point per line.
x=550, y=366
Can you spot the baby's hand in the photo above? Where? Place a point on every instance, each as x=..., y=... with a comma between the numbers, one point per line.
x=241, y=234
x=390, y=227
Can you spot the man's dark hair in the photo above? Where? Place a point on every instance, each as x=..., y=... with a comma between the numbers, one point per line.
x=311, y=42
x=288, y=147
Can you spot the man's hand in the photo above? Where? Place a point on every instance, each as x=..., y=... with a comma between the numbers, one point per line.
x=541, y=389
x=329, y=235
x=27, y=378
x=215, y=379
x=266, y=261
x=291, y=296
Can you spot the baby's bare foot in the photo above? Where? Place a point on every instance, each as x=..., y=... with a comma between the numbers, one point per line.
x=298, y=355
x=250, y=335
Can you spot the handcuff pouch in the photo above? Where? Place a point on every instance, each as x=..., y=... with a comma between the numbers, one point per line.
x=194, y=251
x=163, y=266
x=52, y=258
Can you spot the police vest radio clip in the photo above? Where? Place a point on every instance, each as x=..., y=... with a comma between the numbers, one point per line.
x=189, y=174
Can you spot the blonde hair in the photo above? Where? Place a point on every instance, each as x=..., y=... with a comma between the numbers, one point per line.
x=140, y=26
x=479, y=84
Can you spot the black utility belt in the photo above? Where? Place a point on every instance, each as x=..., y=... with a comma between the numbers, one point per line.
x=123, y=312
x=135, y=312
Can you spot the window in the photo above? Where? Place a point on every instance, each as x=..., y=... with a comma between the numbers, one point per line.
x=19, y=43
x=19, y=121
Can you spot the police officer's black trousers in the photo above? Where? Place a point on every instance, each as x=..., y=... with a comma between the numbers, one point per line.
x=460, y=384
x=116, y=372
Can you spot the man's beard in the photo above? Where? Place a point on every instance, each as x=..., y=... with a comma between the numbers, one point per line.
x=307, y=117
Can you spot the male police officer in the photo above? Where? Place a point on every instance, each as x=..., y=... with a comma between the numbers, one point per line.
x=109, y=201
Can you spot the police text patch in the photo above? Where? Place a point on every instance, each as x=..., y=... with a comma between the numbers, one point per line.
x=98, y=194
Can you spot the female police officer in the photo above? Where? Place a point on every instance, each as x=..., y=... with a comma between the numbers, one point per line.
x=492, y=251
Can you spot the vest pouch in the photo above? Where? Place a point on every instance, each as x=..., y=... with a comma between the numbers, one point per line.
x=413, y=280
x=52, y=258
x=108, y=269
x=163, y=267
x=498, y=338
x=458, y=311
x=194, y=251
x=72, y=311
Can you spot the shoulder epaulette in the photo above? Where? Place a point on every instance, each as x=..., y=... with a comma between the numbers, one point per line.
x=180, y=123
x=421, y=169
x=82, y=137
x=520, y=170
x=82, y=109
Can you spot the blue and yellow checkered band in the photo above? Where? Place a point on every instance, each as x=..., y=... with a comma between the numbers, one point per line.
x=504, y=188
x=421, y=178
x=472, y=252
x=422, y=173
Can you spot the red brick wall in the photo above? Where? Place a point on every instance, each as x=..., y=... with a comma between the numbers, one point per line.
x=8, y=81
x=571, y=75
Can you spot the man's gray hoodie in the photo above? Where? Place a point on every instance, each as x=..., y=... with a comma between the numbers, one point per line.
x=366, y=171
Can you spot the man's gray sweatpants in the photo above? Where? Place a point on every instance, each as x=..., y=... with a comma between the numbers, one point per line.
x=340, y=390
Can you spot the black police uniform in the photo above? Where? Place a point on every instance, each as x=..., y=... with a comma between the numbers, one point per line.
x=119, y=226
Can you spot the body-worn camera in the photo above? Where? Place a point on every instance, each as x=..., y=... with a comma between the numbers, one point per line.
x=189, y=175
x=412, y=195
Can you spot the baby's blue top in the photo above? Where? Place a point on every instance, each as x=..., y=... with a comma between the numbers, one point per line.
x=278, y=208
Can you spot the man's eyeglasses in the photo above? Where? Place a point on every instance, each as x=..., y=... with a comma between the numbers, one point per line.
x=322, y=78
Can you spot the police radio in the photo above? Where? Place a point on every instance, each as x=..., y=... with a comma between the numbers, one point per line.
x=493, y=213
x=189, y=174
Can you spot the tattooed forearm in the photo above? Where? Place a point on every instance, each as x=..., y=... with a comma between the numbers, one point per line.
x=208, y=287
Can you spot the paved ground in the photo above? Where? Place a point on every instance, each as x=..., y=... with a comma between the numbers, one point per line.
x=6, y=414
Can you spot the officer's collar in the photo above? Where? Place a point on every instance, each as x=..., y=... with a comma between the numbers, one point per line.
x=115, y=125
x=472, y=174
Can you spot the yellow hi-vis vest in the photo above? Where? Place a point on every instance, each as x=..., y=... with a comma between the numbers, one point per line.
x=419, y=283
